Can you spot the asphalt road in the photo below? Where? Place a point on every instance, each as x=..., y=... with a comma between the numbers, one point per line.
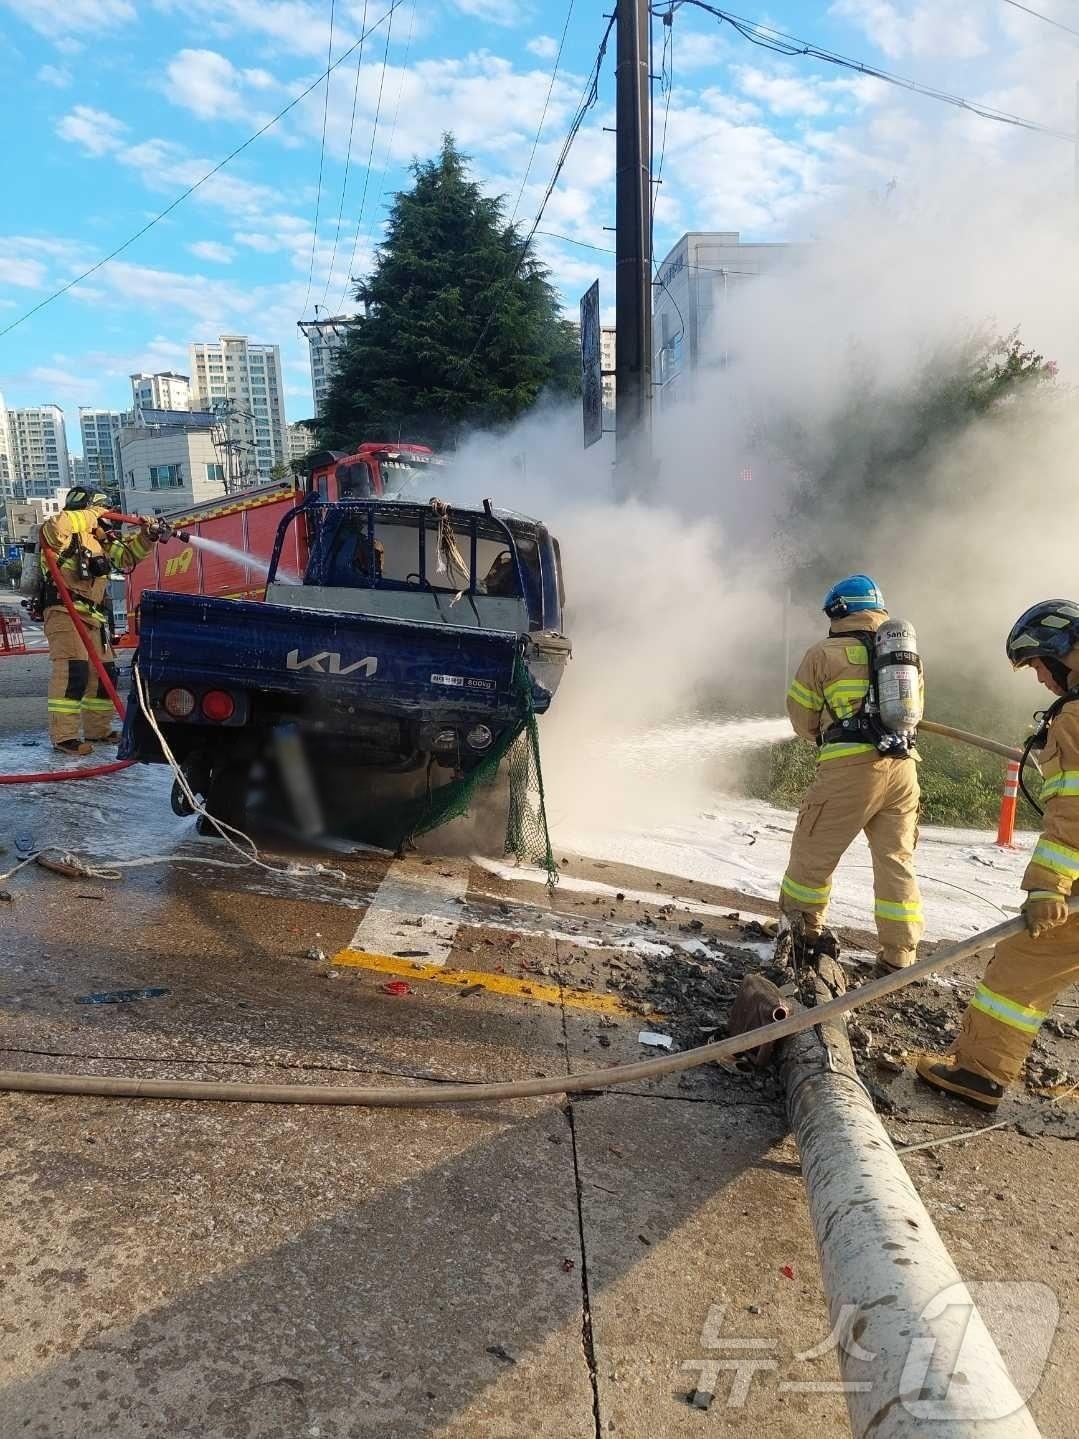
x=536, y=1268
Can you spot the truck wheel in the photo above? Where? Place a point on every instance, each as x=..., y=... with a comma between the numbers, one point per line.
x=226, y=798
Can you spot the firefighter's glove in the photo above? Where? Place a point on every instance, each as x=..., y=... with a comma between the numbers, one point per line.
x=1043, y=911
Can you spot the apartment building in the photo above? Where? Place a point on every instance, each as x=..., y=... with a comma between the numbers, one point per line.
x=241, y=382
x=165, y=390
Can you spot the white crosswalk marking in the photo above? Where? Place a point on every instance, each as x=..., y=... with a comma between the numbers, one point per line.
x=415, y=908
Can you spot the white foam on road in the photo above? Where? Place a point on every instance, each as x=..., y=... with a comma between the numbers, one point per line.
x=416, y=907
x=967, y=882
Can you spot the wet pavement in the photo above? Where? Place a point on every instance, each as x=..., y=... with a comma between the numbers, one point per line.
x=537, y=1267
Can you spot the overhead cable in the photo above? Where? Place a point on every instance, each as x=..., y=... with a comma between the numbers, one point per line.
x=588, y=98
x=370, y=157
x=543, y=113
x=1057, y=25
x=184, y=195
x=321, y=162
x=348, y=162
x=783, y=44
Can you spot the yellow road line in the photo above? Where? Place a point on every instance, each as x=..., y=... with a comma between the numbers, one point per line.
x=506, y=984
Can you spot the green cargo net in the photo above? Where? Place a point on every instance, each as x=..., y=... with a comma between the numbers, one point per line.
x=527, y=836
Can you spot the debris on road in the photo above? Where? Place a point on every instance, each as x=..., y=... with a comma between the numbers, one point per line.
x=655, y=1040
x=120, y=996
x=396, y=987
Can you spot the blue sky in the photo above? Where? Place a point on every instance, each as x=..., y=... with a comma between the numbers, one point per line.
x=110, y=109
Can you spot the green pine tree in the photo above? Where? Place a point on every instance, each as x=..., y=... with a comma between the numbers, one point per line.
x=459, y=330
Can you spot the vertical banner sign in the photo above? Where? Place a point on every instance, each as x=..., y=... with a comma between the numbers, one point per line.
x=591, y=366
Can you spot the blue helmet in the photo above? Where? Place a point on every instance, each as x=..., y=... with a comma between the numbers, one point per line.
x=849, y=596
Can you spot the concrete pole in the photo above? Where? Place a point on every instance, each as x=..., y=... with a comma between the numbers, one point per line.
x=908, y=1369
x=633, y=248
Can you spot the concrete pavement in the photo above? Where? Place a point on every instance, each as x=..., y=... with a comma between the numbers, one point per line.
x=540, y=1268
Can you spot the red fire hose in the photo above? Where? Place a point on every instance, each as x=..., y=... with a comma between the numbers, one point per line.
x=89, y=772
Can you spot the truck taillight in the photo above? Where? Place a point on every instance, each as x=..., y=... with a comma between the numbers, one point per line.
x=178, y=703
x=218, y=705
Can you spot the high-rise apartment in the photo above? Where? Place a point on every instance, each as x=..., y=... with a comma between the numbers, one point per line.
x=325, y=339
x=37, y=451
x=163, y=391
x=99, y=452
x=242, y=383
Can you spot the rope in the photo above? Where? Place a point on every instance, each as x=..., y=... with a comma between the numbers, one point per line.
x=422, y=1095
x=226, y=831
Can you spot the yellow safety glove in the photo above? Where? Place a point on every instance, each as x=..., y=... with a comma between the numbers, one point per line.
x=1043, y=911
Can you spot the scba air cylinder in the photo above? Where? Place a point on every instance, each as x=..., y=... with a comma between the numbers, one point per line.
x=899, y=677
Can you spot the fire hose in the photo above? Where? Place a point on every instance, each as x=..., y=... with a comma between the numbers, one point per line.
x=424, y=1095
x=88, y=771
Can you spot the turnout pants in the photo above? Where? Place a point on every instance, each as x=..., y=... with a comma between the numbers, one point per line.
x=77, y=702
x=1021, y=982
x=879, y=796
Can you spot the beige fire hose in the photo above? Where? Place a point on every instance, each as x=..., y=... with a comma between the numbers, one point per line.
x=422, y=1095
x=993, y=746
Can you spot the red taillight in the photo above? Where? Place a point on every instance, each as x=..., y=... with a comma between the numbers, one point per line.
x=218, y=705
x=178, y=703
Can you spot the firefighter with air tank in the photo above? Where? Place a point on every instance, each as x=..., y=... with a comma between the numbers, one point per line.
x=1028, y=971
x=858, y=695
x=87, y=546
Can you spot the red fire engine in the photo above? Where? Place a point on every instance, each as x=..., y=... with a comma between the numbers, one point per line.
x=246, y=523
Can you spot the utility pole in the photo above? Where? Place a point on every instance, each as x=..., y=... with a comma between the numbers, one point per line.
x=633, y=248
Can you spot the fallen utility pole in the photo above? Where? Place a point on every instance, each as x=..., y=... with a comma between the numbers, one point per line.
x=915, y=1354
x=633, y=248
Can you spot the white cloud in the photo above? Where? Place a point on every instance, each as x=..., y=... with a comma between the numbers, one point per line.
x=72, y=17
x=296, y=27
x=494, y=12
x=58, y=75
x=211, y=250
x=20, y=270
x=545, y=46
x=782, y=94
x=95, y=130
x=927, y=29
x=210, y=86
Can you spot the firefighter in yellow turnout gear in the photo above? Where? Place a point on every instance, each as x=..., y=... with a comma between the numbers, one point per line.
x=857, y=788
x=86, y=550
x=1026, y=974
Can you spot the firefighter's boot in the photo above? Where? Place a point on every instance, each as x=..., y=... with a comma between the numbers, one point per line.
x=948, y=1075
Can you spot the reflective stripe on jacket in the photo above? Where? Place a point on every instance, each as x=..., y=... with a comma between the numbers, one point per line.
x=1054, y=865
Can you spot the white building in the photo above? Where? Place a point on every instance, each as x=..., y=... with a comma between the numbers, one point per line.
x=301, y=441
x=99, y=454
x=168, y=466
x=24, y=518
x=242, y=383
x=696, y=286
x=606, y=359
x=163, y=391
x=325, y=338
x=37, y=451
x=5, y=467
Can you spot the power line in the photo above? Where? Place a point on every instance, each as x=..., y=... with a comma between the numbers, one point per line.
x=783, y=44
x=689, y=265
x=100, y=264
x=370, y=157
x=348, y=161
x=543, y=114
x=321, y=161
x=589, y=97
x=393, y=125
x=1046, y=18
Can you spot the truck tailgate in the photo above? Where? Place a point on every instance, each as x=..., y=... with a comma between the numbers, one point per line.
x=395, y=665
